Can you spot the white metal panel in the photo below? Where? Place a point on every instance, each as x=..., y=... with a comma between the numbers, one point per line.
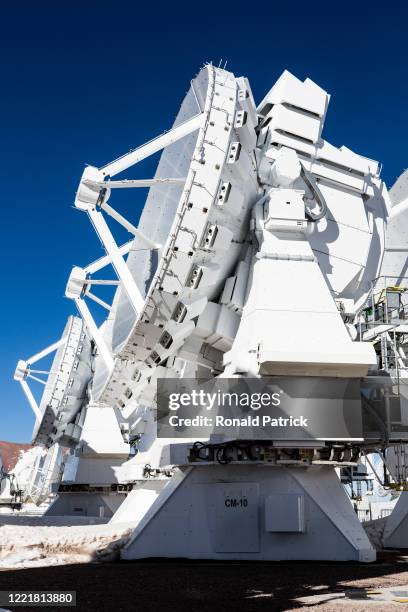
x=236, y=516
x=399, y=190
x=305, y=95
x=345, y=206
x=285, y=512
x=395, y=262
x=293, y=122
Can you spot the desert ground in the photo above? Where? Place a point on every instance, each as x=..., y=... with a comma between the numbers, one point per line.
x=48, y=554
x=188, y=585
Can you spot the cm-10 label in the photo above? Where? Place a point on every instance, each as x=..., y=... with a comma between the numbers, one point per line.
x=236, y=502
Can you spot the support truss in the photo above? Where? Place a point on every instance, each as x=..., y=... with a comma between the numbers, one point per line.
x=78, y=288
x=24, y=372
x=92, y=196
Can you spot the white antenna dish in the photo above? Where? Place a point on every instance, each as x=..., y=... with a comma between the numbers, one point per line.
x=65, y=385
x=191, y=233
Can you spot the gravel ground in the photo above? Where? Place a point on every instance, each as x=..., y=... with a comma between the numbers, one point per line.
x=212, y=586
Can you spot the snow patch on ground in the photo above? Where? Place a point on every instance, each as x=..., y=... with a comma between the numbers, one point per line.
x=375, y=530
x=43, y=545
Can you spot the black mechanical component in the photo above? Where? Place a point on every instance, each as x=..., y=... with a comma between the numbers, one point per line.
x=88, y=488
x=265, y=451
x=149, y=472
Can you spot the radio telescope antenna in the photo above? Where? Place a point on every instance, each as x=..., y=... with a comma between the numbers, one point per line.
x=252, y=259
x=189, y=237
x=65, y=384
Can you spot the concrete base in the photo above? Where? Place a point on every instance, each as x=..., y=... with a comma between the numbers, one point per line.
x=396, y=527
x=250, y=512
x=85, y=504
x=139, y=501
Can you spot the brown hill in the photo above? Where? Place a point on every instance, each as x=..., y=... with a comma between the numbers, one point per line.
x=10, y=451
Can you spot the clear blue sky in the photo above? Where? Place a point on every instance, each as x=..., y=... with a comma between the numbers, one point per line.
x=83, y=82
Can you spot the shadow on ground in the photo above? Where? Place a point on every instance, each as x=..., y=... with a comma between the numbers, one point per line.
x=204, y=586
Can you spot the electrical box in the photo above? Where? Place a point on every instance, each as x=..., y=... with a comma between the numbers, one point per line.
x=285, y=204
x=285, y=513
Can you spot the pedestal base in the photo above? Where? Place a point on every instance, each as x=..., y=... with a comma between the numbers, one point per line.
x=396, y=527
x=86, y=504
x=251, y=512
